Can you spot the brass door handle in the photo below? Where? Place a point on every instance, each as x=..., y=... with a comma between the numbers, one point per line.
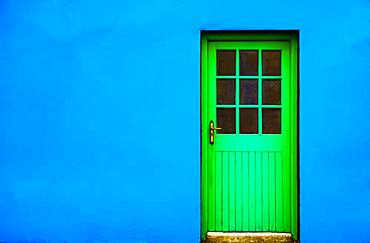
x=212, y=130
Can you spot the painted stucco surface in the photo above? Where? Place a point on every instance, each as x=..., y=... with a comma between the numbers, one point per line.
x=100, y=116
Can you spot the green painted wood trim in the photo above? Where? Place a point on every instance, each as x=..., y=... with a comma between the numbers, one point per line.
x=292, y=37
x=204, y=136
x=273, y=35
x=294, y=134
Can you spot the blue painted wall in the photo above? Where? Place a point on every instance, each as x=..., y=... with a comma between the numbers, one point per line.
x=92, y=94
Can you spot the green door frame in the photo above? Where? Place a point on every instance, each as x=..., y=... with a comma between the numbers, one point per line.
x=292, y=38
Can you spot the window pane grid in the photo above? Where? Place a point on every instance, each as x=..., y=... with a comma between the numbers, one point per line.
x=260, y=77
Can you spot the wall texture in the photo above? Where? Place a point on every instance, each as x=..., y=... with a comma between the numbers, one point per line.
x=100, y=120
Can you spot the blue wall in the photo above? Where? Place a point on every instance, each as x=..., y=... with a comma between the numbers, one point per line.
x=92, y=94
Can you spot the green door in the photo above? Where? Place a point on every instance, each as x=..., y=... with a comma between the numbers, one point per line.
x=249, y=136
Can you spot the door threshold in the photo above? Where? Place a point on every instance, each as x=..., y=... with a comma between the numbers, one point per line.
x=248, y=237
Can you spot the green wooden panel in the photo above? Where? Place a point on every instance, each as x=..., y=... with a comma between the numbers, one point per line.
x=212, y=193
x=250, y=181
x=218, y=191
x=265, y=192
x=258, y=190
x=279, y=192
x=225, y=192
x=238, y=192
x=245, y=190
x=272, y=190
x=252, y=191
x=232, y=197
x=286, y=195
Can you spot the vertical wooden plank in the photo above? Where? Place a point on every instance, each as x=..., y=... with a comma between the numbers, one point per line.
x=238, y=191
x=245, y=191
x=272, y=191
x=265, y=191
x=252, y=191
x=225, y=191
x=218, y=183
x=279, y=193
x=286, y=191
x=258, y=191
x=212, y=192
x=232, y=208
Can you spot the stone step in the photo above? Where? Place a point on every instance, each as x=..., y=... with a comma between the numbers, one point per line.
x=248, y=237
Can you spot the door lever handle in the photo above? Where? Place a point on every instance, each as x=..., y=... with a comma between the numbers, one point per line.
x=212, y=130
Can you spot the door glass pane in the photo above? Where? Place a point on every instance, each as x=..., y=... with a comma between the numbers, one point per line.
x=271, y=121
x=271, y=63
x=248, y=120
x=248, y=63
x=248, y=94
x=226, y=62
x=226, y=91
x=271, y=92
x=226, y=120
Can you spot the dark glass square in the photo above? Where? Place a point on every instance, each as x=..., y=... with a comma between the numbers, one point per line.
x=271, y=63
x=271, y=121
x=248, y=91
x=226, y=62
x=271, y=91
x=226, y=120
x=248, y=65
x=226, y=91
x=248, y=120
